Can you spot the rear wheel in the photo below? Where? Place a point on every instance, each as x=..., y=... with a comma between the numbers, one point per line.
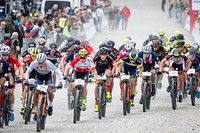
x=144, y=97
x=173, y=94
x=128, y=104
x=39, y=115
x=124, y=100
x=192, y=91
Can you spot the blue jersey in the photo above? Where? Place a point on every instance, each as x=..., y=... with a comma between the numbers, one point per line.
x=70, y=57
x=195, y=61
x=43, y=51
x=4, y=67
x=151, y=59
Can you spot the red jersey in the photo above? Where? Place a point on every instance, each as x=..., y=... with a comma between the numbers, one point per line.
x=12, y=61
x=122, y=54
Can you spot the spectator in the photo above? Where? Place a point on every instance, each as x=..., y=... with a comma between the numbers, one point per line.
x=125, y=16
x=2, y=31
x=14, y=44
x=20, y=30
x=100, y=15
x=117, y=17
x=171, y=5
x=68, y=28
x=36, y=29
x=111, y=19
x=94, y=17
x=163, y=5
x=54, y=9
x=29, y=25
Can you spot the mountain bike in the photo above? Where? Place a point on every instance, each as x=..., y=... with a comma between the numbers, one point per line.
x=42, y=108
x=147, y=89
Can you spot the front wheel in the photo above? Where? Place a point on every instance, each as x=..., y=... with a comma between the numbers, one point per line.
x=173, y=94
x=6, y=111
x=28, y=107
x=100, y=99
x=76, y=106
x=125, y=100
x=145, y=97
x=39, y=114
x=192, y=90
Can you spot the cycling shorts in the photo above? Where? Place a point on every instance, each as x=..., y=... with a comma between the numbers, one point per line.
x=47, y=78
x=148, y=67
x=130, y=70
x=175, y=66
x=81, y=75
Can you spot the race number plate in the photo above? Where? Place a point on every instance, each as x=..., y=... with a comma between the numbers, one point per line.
x=42, y=88
x=79, y=82
x=101, y=77
x=125, y=77
x=146, y=74
x=173, y=73
x=31, y=81
x=191, y=71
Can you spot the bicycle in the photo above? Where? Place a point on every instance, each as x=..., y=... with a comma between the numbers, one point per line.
x=147, y=89
x=42, y=108
x=5, y=109
x=101, y=96
x=126, y=93
x=29, y=103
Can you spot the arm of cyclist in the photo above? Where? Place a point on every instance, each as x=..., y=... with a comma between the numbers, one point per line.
x=141, y=68
x=56, y=70
x=188, y=66
x=161, y=66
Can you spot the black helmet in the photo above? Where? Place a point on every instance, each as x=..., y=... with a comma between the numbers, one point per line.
x=76, y=48
x=53, y=45
x=77, y=42
x=70, y=39
x=172, y=39
x=180, y=37
x=69, y=44
x=181, y=43
x=111, y=43
x=133, y=55
x=31, y=44
x=103, y=51
x=150, y=37
x=103, y=45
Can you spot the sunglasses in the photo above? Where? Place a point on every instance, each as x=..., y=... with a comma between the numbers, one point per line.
x=128, y=50
x=180, y=46
x=82, y=58
x=132, y=59
x=146, y=52
x=176, y=57
x=41, y=44
x=53, y=48
x=5, y=54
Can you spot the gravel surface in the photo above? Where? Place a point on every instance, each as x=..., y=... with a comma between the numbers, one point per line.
x=146, y=18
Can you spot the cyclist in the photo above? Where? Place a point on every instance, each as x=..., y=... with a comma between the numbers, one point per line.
x=104, y=65
x=26, y=63
x=130, y=64
x=146, y=42
x=196, y=45
x=173, y=38
x=5, y=69
x=12, y=61
x=149, y=59
x=125, y=51
x=54, y=56
x=42, y=47
x=44, y=69
x=165, y=40
x=125, y=41
x=181, y=46
x=30, y=46
x=177, y=61
x=111, y=48
x=82, y=66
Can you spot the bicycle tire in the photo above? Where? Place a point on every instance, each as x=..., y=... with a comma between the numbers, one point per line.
x=6, y=110
x=124, y=100
x=128, y=104
x=149, y=96
x=1, y=118
x=100, y=95
x=173, y=95
x=76, y=106
x=39, y=114
x=144, y=97
x=43, y=122
x=192, y=91
x=104, y=102
x=28, y=108
x=79, y=106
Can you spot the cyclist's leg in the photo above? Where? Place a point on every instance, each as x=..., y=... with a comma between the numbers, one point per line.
x=2, y=91
x=108, y=84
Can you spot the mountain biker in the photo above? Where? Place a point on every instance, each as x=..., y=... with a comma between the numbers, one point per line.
x=44, y=69
x=42, y=47
x=30, y=45
x=82, y=66
x=130, y=64
x=177, y=61
x=104, y=65
x=149, y=59
x=161, y=36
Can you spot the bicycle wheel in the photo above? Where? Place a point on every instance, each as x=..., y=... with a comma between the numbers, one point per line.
x=6, y=110
x=100, y=99
x=28, y=107
x=43, y=122
x=192, y=91
x=144, y=97
x=69, y=99
x=173, y=94
x=149, y=96
x=1, y=118
x=103, y=102
x=39, y=114
x=124, y=100
x=79, y=106
x=76, y=106
x=128, y=104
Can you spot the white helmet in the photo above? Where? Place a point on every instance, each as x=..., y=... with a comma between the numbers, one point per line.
x=195, y=45
x=41, y=57
x=147, y=49
x=41, y=41
x=132, y=43
x=128, y=46
x=5, y=49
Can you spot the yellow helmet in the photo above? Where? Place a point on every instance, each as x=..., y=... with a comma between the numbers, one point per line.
x=126, y=41
x=34, y=52
x=161, y=32
x=187, y=44
x=177, y=33
x=82, y=53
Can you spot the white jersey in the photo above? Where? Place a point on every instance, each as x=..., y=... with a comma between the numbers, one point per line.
x=44, y=70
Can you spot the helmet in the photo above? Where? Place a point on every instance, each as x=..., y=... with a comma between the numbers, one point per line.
x=76, y=48
x=103, y=45
x=154, y=37
x=53, y=46
x=111, y=43
x=161, y=32
x=126, y=41
x=192, y=50
x=176, y=52
x=172, y=39
x=70, y=39
x=103, y=51
x=180, y=37
x=181, y=43
x=176, y=33
x=195, y=45
x=41, y=41
x=147, y=49
x=132, y=43
x=30, y=49
x=41, y=57
x=31, y=44
x=133, y=55
x=77, y=42
x=150, y=37
x=82, y=53
x=34, y=52
x=129, y=38
x=128, y=46
x=69, y=44
x=5, y=49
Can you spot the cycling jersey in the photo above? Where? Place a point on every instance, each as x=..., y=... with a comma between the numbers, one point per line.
x=114, y=53
x=53, y=58
x=82, y=66
x=70, y=57
x=177, y=63
x=122, y=54
x=195, y=61
x=44, y=50
x=12, y=61
x=4, y=68
x=25, y=53
x=160, y=52
x=44, y=70
x=102, y=65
